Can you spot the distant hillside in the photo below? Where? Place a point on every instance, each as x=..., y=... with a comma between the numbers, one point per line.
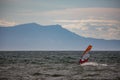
x=53, y=37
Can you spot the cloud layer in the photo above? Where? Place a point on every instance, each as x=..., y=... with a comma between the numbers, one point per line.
x=102, y=23
x=4, y=23
x=102, y=29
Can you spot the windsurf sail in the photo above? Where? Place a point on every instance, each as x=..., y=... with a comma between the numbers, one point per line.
x=85, y=55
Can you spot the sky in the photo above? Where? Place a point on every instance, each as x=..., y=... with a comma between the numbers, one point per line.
x=89, y=18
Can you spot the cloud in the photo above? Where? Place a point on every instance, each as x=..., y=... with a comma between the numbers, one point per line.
x=4, y=23
x=94, y=28
x=93, y=21
x=102, y=23
x=77, y=13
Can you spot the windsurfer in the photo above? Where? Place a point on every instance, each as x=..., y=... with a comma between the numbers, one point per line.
x=85, y=55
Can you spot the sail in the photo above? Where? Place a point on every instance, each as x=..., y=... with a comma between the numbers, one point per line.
x=85, y=55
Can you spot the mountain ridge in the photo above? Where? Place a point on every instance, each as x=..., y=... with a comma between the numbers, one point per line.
x=32, y=36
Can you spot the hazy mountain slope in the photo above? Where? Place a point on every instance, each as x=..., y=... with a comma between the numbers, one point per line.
x=53, y=37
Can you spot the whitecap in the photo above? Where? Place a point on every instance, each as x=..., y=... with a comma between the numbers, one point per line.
x=93, y=64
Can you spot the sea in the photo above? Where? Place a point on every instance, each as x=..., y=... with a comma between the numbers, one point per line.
x=59, y=65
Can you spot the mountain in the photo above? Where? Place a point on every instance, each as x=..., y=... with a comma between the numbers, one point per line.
x=32, y=36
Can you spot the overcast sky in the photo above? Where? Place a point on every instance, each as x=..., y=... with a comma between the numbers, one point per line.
x=88, y=18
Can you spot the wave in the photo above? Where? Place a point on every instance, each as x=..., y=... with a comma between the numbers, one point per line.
x=93, y=64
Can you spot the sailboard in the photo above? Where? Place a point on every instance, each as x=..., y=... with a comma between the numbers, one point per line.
x=85, y=55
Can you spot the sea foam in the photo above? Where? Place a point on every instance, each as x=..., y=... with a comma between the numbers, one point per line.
x=93, y=64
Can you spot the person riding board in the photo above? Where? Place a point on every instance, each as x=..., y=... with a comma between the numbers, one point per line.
x=85, y=55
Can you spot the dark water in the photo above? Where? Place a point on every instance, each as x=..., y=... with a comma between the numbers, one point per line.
x=58, y=65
